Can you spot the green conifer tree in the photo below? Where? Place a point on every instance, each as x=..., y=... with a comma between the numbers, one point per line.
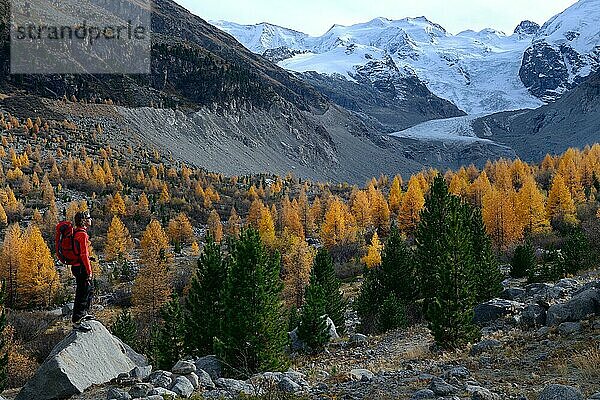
x=398, y=268
x=253, y=336
x=430, y=240
x=523, y=262
x=125, y=329
x=486, y=269
x=167, y=342
x=313, y=330
x=391, y=314
x=575, y=252
x=392, y=284
x=323, y=274
x=372, y=295
x=447, y=267
x=204, y=305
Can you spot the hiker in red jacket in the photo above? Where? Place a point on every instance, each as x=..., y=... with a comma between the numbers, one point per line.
x=82, y=270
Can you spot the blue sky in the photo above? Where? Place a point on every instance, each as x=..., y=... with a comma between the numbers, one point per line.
x=316, y=16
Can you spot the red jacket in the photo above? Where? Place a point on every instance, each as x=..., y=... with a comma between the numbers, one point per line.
x=83, y=242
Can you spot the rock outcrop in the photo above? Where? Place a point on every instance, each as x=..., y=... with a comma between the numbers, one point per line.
x=80, y=360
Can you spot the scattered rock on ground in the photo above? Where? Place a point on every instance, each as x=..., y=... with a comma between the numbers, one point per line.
x=441, y=388
x=183, y=367
x=484, y=345
x=361, y=374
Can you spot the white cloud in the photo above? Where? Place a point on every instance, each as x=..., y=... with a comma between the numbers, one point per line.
x=316, y=16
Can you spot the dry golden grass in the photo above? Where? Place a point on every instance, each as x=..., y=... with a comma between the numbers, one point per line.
x=587, y=362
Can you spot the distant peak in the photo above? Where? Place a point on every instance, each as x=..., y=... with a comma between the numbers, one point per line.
x=379, y=21
x=527, y=28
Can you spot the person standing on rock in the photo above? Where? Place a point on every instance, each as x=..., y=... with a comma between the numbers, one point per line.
x=82, y=271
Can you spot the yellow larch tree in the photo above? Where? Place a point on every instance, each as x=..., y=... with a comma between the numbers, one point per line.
x=180, y=229
x=297, y=258
x=290, y=218
x=152, y=285
x=234, y=224
x=479, y=188
x=380, y=212
x=143, y=206
x=215, y=227
x=118, y=241
x=266, y=227
x=531, y=207
x=3, y=216
x=316, y=211
x=412, y=204
x=361, y=209
x=116, y=205
x=395, y=197
x=37, y=218
x=37, y=278
x=560, y=204
x=47, y=190
x=519, y=171
x=254, y=213
x=10, y=261
x=12, y=205
x=572, y=176
x=373, y=256
x=165, y=196
x=502, y=175
x=459, y=185
x=339, y=224
x=500, y=217
x=252, y=195
x=195, y=249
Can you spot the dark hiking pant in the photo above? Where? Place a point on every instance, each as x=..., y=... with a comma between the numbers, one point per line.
x=83, y=293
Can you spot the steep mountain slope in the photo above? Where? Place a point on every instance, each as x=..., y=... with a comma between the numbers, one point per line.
x=362, y=79
x=213, y=103
x=564, y=51
x=573, y=120
x=477, y=71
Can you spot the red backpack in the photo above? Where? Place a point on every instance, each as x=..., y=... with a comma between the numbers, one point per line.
x=67, y=249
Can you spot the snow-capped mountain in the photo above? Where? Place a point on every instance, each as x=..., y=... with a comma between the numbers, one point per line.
x=264, y=36
x=564, y=51
x=479, y=72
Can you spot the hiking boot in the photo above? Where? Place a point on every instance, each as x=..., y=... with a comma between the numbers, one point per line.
x=81, y=327
x=88, y=317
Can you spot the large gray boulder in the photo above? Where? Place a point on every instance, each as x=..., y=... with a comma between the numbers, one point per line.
x=494, y=309
x=80, y=360
x=209, y=364
x=182, y=386
x=581, y=306
x=560, y=392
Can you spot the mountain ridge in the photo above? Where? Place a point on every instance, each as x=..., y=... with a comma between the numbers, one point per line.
x=516, y=63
